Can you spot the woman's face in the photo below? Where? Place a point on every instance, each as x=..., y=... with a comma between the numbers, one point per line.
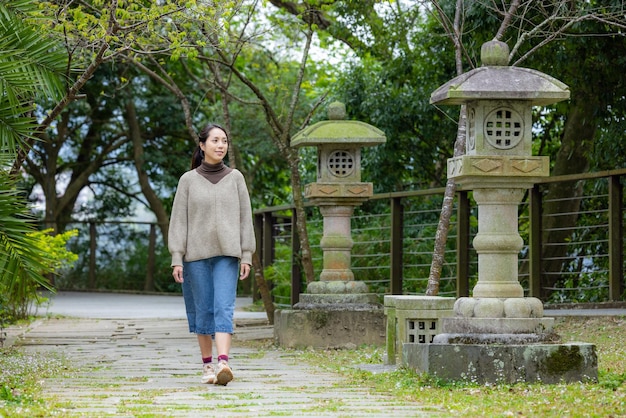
x=215, y=146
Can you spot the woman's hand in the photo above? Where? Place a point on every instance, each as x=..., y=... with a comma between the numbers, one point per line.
x=244, y=271
x=177, y=273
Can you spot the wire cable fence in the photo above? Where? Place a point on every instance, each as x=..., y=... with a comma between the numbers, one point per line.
x=570, y=255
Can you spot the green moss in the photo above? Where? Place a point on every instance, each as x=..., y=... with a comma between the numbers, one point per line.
x=564, y=359
x=319, y=318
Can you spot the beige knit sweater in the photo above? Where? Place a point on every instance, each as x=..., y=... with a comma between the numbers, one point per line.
x=210, y=220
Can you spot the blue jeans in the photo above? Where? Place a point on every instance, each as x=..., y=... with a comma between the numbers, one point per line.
x=210, y=290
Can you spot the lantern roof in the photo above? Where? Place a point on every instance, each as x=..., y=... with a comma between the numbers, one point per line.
x=496, y=81
x=336, y=130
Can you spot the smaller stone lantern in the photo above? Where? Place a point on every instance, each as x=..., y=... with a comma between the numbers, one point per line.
x=336, y=310
x=337, y=192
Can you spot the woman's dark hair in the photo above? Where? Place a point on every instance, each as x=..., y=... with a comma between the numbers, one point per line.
x=198, y=155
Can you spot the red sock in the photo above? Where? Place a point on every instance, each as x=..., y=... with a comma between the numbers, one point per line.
x=222, y=357
x=206, y=360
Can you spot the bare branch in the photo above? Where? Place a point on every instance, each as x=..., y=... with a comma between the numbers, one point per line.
x=508, y=16
x=169, y=84
x=297, y=85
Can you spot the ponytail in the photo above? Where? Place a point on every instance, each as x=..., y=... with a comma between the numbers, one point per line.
x=197, y=157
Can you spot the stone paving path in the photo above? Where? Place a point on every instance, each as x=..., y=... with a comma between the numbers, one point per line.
x=150, y=368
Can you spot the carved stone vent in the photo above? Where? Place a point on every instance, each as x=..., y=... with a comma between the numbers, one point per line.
x=421, y=331
x=341, y=163
x=504, y=128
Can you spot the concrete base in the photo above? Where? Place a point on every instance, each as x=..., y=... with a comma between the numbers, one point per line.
x=333, y=326
x=480, y=363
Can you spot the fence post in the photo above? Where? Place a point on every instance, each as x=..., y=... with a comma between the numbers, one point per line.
x=616, y=239
x=267, y=252
x=296, y=270
x=258, y=233
x=462, y=244
x=534, y=243
x=397, y=226
x=149, y=283
x=92, y=255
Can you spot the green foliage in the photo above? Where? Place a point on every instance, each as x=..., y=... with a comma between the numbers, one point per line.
x=55, y=246
x=23, y=276
x=419, y=136
x=27, y=256
x=581, y=287
x=120, y=260
x=607, y=151
x=30, y=65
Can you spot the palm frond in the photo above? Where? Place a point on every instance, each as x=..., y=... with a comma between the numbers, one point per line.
x=14, y=129
x=28, y=63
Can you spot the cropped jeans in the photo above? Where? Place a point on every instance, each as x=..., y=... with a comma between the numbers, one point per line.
x=209, y=291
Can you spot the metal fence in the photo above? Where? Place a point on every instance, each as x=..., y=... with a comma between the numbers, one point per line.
x=393, y=236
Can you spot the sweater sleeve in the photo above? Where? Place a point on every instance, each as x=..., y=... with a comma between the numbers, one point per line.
x=177, y=233
x=248, y=241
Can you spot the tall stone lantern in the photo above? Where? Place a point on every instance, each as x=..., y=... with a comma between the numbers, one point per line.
x=350, y=314
x=498, y=334
x=499, y=166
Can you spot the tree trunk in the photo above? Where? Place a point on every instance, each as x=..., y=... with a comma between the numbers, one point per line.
x=443, y=227
x=156, y=205
x=306, y=259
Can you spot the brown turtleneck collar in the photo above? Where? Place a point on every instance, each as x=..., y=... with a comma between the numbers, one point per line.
x=213, y=172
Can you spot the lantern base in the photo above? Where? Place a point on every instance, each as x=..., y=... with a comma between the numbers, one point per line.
x=330, y=326
x=504, y=363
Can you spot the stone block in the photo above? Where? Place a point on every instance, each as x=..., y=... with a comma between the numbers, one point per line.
x=494, y=364
x=315, y=301
x=330, y=327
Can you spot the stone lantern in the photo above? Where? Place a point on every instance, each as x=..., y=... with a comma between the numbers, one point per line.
x=335, y=310
x=499, y=166
x=498, y=334
x=337, y=192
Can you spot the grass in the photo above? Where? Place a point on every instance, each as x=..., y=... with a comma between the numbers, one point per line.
x=607, y=398
x=20, y=388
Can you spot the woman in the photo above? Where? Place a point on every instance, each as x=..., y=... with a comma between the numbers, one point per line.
x=211, y=240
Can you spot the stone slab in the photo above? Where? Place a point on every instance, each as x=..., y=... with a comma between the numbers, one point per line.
x=419, y=302
x=313, y=300
x=480, y=363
